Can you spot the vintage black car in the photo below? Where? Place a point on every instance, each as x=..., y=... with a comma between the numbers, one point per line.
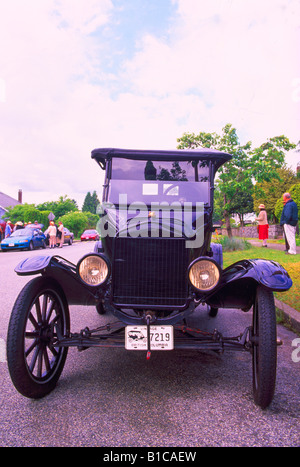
x=154, y=265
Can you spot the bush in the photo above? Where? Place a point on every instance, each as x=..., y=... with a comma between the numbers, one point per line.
x=27, y=213
x=77, y=222
x=232, y=244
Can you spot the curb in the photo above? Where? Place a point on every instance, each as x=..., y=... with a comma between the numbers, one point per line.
x=290, y=316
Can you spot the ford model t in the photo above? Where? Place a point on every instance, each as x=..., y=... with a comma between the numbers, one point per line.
x=154, y=265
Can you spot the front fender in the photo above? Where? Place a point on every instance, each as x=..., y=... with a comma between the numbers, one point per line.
x=268, y=273
x=239, y=281
x=64, y=273
x=32, y=266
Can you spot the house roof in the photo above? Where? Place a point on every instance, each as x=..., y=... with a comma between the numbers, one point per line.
x=7, y=201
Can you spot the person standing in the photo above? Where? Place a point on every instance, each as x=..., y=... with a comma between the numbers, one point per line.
x=263, y=226
x=7, y=229
x=61, y=234
x=289, y=219
x=52, y=235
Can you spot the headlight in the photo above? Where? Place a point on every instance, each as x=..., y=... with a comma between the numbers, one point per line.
x=93, y=269
x=204, y=274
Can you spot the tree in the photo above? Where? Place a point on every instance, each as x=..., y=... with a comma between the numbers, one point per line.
x=267, y=192
x=27, y=213
x=241, y=205
x=246, y=166
x=90, y=203
x=60, y=207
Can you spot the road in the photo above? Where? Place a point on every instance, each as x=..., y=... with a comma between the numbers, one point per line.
x=114, y=397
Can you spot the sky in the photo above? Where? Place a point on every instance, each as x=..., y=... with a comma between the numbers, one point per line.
x=82, y=74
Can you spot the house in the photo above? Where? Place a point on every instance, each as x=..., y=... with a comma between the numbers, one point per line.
x=7, y=201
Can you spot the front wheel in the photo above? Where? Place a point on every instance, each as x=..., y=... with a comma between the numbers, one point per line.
x=212, y=311
x=40, y=314
x=264, y=351
x=100, y=308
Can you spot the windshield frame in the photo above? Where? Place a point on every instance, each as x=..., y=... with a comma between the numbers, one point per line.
x=210, y=181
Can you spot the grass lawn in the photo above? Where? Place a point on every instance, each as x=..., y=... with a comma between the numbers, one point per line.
x=290, y=262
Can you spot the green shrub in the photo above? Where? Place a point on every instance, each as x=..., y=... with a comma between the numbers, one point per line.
x=77, y=222
x=233, y=243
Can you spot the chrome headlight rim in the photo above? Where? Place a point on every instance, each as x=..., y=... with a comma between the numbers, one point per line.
x=210, y=260
x=97, y=256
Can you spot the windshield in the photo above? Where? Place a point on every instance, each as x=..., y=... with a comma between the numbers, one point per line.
x=157, y=181
x=181, y=171
x=22, y=233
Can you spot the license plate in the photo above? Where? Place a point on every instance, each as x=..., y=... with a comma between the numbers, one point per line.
x=161, y=338
x=11, y=244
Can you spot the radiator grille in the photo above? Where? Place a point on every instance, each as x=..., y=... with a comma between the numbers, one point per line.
x=150, y=271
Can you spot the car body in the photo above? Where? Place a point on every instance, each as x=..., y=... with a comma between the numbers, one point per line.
x=68, y=236
x=89, y=235
x=28, y=238
x=154, y=266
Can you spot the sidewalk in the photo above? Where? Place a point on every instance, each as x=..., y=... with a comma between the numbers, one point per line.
x=275, y=246
x=290, y=315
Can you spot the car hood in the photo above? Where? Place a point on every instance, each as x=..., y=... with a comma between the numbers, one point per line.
x=22, y=239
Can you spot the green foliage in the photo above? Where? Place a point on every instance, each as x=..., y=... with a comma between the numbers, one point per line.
x=233, y=243
x=26, y=213
x=78, y=221
x=247, y=164
x=64, y=209
x=60, y=207
x=268, y=192
x=90, y=203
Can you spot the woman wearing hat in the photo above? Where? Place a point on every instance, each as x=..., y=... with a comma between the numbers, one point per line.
x=52, y=235
x=263, y=226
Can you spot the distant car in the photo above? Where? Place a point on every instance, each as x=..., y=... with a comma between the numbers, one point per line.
x=27, y=238
x=89, y=235
x=69, y=236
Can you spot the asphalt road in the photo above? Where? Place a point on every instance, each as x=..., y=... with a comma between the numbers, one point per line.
x=114, y=397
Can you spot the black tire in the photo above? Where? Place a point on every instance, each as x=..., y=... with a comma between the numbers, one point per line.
x=264, y=354
x=212, y=311
x=39, y=313
x=100, y=308
x=31, y=247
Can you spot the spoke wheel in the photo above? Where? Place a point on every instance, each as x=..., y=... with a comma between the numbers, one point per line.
x=39, y=316
x=264, y=352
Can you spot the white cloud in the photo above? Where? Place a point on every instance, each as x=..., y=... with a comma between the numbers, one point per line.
x=240, y=57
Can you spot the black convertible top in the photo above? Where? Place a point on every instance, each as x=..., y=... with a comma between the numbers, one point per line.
x=101, y=155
